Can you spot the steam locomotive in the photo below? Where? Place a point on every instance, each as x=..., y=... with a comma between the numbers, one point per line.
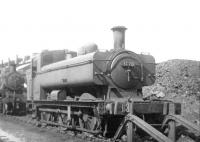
x=99, y=92
x=13, y=101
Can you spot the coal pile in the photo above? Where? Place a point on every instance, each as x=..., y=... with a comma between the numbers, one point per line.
x=179, y=76
x=178, y=80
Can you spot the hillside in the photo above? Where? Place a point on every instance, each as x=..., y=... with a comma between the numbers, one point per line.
x=178, y=80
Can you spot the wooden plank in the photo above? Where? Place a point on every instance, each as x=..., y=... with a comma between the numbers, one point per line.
x=148, y=129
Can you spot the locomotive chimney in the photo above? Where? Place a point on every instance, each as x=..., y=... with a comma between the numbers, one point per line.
x=119, y=37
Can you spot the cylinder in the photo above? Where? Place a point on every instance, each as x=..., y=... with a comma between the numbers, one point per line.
x=119, y=37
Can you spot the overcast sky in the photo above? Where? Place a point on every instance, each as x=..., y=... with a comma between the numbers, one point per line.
x=168, y=29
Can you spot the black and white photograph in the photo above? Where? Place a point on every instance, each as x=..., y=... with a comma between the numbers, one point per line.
x=99, y=71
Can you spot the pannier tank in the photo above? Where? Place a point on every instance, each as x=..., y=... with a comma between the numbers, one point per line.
x=117, y=68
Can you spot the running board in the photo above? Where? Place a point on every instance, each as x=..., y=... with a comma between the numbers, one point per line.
x=157, y=135
x=195, y=129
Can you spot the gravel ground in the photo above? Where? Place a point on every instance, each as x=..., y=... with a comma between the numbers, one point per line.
x=18, y=132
